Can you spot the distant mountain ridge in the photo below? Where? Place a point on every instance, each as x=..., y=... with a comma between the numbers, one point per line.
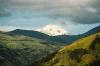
x=65, y=39
x=93, y=31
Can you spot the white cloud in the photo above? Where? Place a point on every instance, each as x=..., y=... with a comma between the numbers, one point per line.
x=53, y=30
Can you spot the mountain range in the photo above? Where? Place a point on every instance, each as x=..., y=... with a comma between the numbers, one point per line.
x=64, y=39
x=33, y=48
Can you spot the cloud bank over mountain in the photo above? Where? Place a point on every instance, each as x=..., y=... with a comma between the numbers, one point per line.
x=53, y=30
x=78, y=11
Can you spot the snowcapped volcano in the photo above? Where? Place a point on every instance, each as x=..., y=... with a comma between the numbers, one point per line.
x=53, y=30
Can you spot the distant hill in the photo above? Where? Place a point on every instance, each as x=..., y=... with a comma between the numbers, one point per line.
x=36, y=34
x=93, y=31
x=64, y=39
x=19, y=50
x=83, y=52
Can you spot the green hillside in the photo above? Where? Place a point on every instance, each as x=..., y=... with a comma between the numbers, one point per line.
x=84, y=52
x=21, y=50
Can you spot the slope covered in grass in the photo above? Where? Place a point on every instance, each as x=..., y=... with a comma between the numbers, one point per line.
x=81, y=53
x=21, y=50
x=84, y=52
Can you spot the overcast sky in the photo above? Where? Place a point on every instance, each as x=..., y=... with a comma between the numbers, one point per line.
x=31, y=14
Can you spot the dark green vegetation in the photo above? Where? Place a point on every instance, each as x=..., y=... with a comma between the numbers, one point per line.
x=19, y=50
x=84, y=52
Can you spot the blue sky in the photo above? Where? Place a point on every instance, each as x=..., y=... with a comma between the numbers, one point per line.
x=33, y=14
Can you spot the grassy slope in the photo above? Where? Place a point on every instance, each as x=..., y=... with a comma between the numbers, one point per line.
x=78, y=53
x=21, y=50
x=84, y=52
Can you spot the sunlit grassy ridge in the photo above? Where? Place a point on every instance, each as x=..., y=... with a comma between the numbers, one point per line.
x=83, y=52
x=79, y=53
x=82, y=43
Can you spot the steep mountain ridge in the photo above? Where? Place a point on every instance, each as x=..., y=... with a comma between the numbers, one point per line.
x=84, y=52
x=76, y=53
